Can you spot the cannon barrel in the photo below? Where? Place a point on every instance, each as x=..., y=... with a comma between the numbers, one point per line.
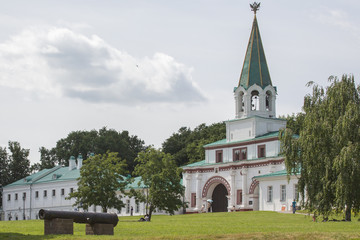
x=80, y=217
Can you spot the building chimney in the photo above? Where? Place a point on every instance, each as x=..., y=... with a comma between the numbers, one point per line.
x=72, y=163
x=79, y=161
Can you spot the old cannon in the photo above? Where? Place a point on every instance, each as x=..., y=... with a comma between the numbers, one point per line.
x=60, y=222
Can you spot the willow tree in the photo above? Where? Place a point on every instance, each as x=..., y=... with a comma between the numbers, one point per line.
x=327, y=152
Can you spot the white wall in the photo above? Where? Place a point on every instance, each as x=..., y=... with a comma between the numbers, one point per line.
x=276, y=204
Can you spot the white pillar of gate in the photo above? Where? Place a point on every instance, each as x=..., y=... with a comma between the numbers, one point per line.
x=187, y=188
x=198, y=192
x=244, y=188
x=231, y=199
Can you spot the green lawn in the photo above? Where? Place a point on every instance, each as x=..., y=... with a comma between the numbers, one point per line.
x=239, y=225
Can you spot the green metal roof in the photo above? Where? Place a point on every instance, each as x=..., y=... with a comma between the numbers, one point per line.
x=136, y=184
x=224, y=142
x=275, y=174
x=255, y=69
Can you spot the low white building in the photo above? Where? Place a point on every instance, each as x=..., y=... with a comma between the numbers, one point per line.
x=49, y=188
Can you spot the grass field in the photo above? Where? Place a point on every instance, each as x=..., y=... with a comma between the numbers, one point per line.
x=237, y=225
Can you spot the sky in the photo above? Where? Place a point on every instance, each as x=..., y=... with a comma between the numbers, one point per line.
x=153, y=66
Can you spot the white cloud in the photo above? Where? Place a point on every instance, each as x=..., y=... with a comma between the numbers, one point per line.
x=338, y=18
x=58, y=61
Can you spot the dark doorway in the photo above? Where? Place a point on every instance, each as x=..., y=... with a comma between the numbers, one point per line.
x=220, y=201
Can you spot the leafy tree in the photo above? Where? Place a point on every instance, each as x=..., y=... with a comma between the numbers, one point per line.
x=186, y=146
x=327, y=153
x=294, y=122
x=99, y=142
x=100, y=177
x=161, y=177
x=4, y=171
x=19, y=164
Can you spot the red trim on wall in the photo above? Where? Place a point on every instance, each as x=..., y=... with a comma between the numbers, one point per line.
x=253, y=185
x=215, y=179
x=242, y=143
x=235, y=167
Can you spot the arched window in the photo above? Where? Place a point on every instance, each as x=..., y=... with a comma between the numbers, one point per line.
x=255, y=100
x=268, y=101
x=241, y=102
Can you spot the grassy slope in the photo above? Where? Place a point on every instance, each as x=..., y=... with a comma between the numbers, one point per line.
x=240, y=225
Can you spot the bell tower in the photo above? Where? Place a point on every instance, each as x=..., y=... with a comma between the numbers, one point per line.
x=255, y=94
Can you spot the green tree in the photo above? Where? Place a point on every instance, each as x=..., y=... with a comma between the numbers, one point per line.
x=99, y=142
x=294, y=122
x=19, y=164
x=327, y=153
x=4, y=171
x=161, y=177
x=186, y=146
x=101, y=177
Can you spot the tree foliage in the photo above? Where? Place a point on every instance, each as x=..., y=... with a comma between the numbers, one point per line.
x=161, y=177
x=186, y=146
x=100, y=177
x=98, y=142
x=327, y=153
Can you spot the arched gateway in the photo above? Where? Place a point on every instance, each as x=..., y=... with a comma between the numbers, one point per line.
x=217, y=189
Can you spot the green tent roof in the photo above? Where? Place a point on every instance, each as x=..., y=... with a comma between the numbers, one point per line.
x=255, y=69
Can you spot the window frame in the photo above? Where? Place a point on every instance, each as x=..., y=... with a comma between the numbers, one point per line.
x=218, y=157
x=62, y=192
x=269, y=194
x=282, y=193
x=193, y=200
x=239, y=197
x=240, y=154
x=54, y=192
x=36, y=194
x=261, y=151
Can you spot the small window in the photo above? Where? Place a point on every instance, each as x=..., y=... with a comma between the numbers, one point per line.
x=239, y=154
x=219, y=156
x=71, y=190
x=193, y=200
x=45, y=193
x=269, y=193
x=24, y=195
x=37, y=194
x=9, y=197
x=62, y=192
x=261, y=151
x=239, y=195
x=16, y=196
x=54, y=192
x=282, y=193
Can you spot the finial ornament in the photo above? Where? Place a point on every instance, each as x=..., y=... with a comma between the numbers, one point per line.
x=255, y=7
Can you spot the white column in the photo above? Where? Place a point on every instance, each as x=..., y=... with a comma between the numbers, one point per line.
x=262, y=99
x=198, y=192
x=187, y=187
x=247, y=104
x=236, y=105
x=244, y=188
x=233, y=189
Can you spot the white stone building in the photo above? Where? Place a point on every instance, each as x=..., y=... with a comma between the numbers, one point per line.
x=48, y=189
x=245, y=171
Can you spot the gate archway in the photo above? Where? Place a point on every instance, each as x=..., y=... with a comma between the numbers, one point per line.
x=220, y=200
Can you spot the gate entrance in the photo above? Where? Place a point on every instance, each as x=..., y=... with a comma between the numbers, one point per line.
x=220, y=201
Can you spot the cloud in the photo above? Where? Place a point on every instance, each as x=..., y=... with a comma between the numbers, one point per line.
x=60, y=62
x=338, y=18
